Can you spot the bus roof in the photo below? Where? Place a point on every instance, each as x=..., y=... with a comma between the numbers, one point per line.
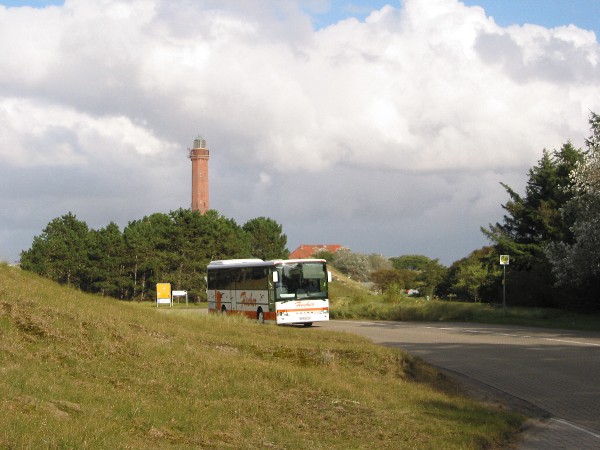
x=224, y=263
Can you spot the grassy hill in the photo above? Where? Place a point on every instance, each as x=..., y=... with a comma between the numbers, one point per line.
x=81, y=371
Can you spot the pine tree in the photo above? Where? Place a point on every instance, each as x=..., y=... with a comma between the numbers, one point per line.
x=106, y=262
x=60, y=252
x=266, y=238
x=534, y=221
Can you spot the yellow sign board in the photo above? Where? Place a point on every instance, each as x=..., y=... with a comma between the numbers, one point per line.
x=163, y=292
x=504, y=260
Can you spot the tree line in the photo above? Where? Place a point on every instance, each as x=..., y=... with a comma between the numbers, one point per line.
x=174, y=248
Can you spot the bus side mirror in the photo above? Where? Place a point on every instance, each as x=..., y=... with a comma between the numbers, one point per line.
x=275, y=277
x=329, y=276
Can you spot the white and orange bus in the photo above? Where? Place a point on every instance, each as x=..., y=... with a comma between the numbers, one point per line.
x=290, y=291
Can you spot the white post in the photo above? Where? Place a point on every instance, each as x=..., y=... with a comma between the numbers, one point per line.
x=504, y=288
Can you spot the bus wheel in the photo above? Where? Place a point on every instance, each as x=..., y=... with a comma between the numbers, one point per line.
x=307, y=324
x=223, y=310
x=260, y=316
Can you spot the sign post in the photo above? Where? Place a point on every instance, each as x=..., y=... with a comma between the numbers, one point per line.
x=504, y=261
x=163, y=294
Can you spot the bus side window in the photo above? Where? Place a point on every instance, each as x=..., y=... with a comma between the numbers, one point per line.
x=210, y=280
x=239, y=278
x=223, y=279
x=260, y=277
x=232, y=278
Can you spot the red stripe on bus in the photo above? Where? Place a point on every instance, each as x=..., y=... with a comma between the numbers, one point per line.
x=301, y=310
x=249, y=314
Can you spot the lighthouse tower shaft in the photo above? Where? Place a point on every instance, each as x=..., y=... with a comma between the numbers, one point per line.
x=199, y=156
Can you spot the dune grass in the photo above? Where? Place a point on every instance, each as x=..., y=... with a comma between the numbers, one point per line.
x=81, y=371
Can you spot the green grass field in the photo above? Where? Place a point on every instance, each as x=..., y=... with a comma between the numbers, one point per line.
x=81, y=371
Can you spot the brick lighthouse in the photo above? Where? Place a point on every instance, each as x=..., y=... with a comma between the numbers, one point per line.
x=199, y=157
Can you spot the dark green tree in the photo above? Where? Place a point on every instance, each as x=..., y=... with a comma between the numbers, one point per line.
x=428, y=273
x=410, y=262
x=106, y=273
x=533, y=221
x=430, y=276
x=60, y=252
x=188, y=264
x=267, y=240
x=384, y=279
x=223, y=238
x=471, y=278
x=148, y=244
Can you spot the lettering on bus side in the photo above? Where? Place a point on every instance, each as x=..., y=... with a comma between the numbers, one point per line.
x=248, y=300
x=301, y=304
x=219, y=299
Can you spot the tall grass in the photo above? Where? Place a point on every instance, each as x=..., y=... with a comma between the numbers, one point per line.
x=80, y=371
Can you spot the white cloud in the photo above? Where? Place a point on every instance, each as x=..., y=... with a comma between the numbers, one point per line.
x=382, y=123
x=36, y=134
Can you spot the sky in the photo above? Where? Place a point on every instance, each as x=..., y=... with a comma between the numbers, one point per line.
x=384, y=126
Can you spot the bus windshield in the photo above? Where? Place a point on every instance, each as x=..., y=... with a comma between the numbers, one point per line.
x=301, y=280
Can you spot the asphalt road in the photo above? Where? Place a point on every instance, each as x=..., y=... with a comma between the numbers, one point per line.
x=551, y=375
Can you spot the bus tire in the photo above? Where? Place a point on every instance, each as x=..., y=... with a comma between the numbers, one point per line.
x=307, y=324
x=260, y=316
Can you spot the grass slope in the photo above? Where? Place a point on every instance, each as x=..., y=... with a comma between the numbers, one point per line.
x=80, y=371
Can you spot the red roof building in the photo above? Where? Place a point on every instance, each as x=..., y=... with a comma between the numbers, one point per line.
x=306, y=251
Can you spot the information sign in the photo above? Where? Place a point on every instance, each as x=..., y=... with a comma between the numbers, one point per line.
x=181, y=294
x=163, y=294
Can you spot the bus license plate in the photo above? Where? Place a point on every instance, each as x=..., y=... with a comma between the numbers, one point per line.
x=305, y=318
